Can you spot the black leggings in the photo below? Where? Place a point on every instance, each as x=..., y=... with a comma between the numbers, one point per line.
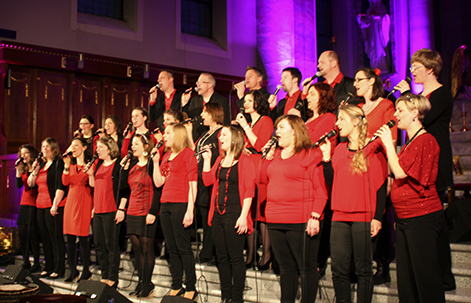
x=178, y=241
x=349, y=238
x=105, y=236
x=50, y=229
x=28, y=234
x=72, y=253
x=230, y=255
x=143, y=248
x=294, y=250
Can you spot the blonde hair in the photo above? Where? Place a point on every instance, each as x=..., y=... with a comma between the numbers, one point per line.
x=358, y=165
x=418, y=102
x=180, y=139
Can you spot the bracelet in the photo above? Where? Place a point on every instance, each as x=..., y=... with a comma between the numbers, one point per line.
x=33, y=175
x=66, y=169
x=121, y=209
x=327, y=161
x=246, y=126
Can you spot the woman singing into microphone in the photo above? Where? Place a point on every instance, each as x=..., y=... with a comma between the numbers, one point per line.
x=257, y=133
x=420, y=218
x=141, y=211
x=139, y=118
x=78, y=209
x=233, y=179
x=113, y=129
x=178, y=174
x=105, y=205
x=47, y=176
x=296, y=197
x=358, y=199
x=27, y=224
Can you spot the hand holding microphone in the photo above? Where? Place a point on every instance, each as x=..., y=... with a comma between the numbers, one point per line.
x=269, y=149
x=326, y=136
x=385, y=133
x=206, y=152
x=89, y=165
x=127, y=130
x=125, y=162
x=240, y=88
x=403, y=86
x=20, y=159
x=272, y=98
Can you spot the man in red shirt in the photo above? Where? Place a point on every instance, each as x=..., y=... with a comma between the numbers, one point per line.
x=329, y=66
x=171, y=98
x=253, y=81
x=293, y=103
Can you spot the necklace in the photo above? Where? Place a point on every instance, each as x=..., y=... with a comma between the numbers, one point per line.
x=202, y=142
x=411, y=139
x=227, y=186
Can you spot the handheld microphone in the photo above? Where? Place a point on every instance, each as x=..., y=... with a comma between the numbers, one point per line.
x=89, y=165
x=317, y=75
x=159, y=145
x=78, y=133
x=196, y=89
x=278, y=87
x=408, y=80
x=157, y=86
x=156, y=130
x=40, y=157
x=213, y=145
x=196, y=119
x=128, y=129
x=390, y=124
x=299, y=105
x=67, y=154
x=349, y=96
x=128, y=156
x=242, y=110
x=20, y=159
x=273, y=141
x=326, y=136
x=96, y=133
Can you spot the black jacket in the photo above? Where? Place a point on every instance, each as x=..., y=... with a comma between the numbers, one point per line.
x=157, y=110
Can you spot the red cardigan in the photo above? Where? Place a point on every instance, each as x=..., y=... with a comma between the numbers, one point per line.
x=246, y=185
x=263, y=129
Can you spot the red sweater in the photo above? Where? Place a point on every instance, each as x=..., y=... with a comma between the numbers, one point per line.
x=416, y=195
x=142, y=191
x=263, y=129
x=246, y=185
x=322, y=125
x=380, y=115
x=29, y=195
x=103, y=195
x=351, y=199
x=178, y=173
x=296, y=187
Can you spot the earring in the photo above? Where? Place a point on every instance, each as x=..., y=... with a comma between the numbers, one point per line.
x=414, y=119
x=145, y=154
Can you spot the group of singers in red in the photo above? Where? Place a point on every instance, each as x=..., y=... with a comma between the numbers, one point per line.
x=284, y=182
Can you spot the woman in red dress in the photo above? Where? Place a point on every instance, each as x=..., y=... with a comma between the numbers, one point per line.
x=78, y=209
x=178, y=176
x=233, y=179
x=47, y=176
x=257, y=134
x=420, y=218
x=27, y=225
x=296, y=197
x=377, y=109
x=142, y=207
x=105, y=205
x=358, y=199
x=139, y=118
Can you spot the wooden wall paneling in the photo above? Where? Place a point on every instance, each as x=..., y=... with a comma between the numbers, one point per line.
x=53, y=107
x=88, y=99
x=18, y=109
x=142, y=89
x=120, y=99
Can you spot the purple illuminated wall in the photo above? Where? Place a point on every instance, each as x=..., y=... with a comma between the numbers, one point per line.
x=286, y=36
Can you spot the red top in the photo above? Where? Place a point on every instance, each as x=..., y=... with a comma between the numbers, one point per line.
x=416, y=195
x=142, y=191
x=78, y=209
x=127, y=141
x=29, y=195
x=43, y=200
x=350, y=194
x=263, y=129
x=168, y=101
x=246, y=185
x=322, y=125
x=178, y=172
x=296, y=187
x=103, y=195
x=291, y=101
x=336, y=81
x=380, y=115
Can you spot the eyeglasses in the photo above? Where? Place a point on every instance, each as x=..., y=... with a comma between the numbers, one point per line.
x=359, y=79
x=413, y=68
x=201, y=82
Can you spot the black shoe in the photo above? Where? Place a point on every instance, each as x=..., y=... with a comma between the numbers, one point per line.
x=86, y=275
x=26, y=265
x=267, y=265
x=36, y=268
x=147, y=291
x=73, y=277
x=382, y=275
x=136, y=291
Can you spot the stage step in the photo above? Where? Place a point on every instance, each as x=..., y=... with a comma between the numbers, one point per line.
x=267, y=283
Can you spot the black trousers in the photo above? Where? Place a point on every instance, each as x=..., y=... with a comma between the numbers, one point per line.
x=294, y=250
x=106, y=237
x=419, y=275
x=349, y=238
x=230, y=254
x=207, y=252
x=50, y=229
x=28, y=234
x=178, y=240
